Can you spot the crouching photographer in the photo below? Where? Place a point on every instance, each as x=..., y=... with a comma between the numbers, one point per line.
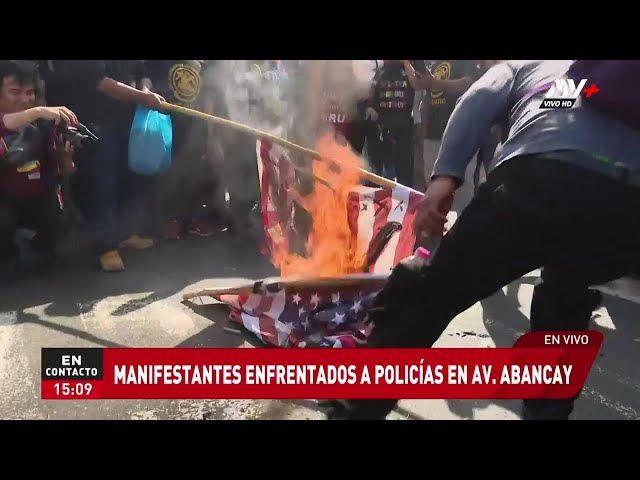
x=36, y=149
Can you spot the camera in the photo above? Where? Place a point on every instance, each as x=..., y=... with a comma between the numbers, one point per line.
x=77, y=135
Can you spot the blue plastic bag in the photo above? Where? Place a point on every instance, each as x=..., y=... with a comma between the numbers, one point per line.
x=150, y=142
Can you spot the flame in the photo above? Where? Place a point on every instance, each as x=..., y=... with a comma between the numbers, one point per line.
x=330, y=246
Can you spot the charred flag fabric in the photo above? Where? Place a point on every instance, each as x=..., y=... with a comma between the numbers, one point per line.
x=323, y=315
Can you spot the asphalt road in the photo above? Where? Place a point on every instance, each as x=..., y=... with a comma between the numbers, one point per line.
x=79, y=306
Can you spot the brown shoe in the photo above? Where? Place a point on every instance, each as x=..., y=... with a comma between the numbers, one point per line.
x=137, y=243
x=111, y=261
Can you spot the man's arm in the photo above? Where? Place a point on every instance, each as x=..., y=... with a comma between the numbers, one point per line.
x=93, y=74
x=475, y=113
x=125, y=93
x=10, y=122
x=63, y=156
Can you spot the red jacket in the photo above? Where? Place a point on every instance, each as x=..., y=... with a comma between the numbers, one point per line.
x=36, y=181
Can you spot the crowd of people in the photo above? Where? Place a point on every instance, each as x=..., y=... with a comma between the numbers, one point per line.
x=388, y=115
x=545, y=178
x=96, y=187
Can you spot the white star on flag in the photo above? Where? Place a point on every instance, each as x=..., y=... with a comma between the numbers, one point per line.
x=357, y=306
x=301, y=310
x=315, y=299
x=335, y=298
x=338, y=319
x=296, y=298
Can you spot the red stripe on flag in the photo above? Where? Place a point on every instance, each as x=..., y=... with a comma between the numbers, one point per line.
x=382, y=206
x=353, y=213
x=242, y=299
x=266, y=301
x=236, y=315
x=407, y=239
x=265, y=149
x=283, y=171
x=268, y=330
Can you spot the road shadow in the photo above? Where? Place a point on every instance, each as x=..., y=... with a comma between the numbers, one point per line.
x=162, y=271
x=612, y=389
x=613, y=384
x=287, y=408
x=223, y=333
x=24, y=317
x=623, y=315
x=504, y=323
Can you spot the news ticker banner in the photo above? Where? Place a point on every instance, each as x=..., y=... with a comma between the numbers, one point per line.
x=540, y=365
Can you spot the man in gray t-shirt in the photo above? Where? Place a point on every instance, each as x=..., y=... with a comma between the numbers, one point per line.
x=561, y=180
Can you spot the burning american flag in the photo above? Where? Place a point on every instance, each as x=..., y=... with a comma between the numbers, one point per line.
x=358, y=234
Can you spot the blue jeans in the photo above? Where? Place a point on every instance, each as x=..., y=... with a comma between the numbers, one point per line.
x=112, y=212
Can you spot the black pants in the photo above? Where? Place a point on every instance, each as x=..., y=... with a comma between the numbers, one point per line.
x=42, y=214
x=532, y=212
x=192, y=180
x=357, y=135
x=239, y=176
x=396, y=147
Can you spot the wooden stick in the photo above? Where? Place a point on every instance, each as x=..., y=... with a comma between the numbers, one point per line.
x=242, y=289
x=277, y=283
x=372, y=177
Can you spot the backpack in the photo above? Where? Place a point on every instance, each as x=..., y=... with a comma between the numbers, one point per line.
x=616, y=80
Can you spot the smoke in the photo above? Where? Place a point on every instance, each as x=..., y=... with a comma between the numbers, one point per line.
x=283, y=98
x=244, y=95
x=249, y=94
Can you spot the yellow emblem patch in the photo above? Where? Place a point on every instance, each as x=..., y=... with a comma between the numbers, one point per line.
x=184, y=82
x=441, y=72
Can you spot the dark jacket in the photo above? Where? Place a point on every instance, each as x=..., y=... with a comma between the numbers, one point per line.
x=39, y=174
